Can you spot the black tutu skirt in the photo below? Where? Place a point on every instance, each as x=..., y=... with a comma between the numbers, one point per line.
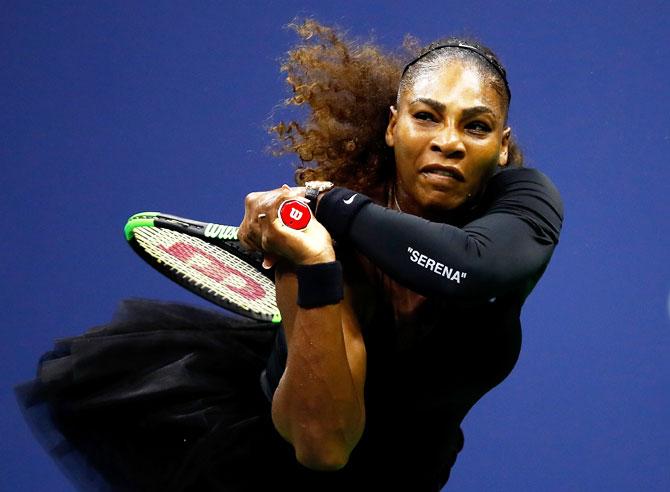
x=167, y=397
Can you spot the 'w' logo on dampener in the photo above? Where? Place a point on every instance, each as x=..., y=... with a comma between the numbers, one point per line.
x=294, y=214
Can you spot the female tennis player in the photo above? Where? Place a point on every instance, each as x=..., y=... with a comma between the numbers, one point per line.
x=400, y=300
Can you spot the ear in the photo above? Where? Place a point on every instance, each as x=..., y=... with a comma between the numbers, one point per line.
x=504, y=147
x=393, y=120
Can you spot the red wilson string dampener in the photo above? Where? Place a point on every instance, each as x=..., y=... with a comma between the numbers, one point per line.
x=294, y=214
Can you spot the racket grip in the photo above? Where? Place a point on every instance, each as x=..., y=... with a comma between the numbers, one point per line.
x=294, y=214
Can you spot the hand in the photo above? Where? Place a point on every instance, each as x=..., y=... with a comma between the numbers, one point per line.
x=262, y=230
x=262, y=204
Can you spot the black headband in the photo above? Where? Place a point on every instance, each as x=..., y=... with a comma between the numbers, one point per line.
x=490, y=60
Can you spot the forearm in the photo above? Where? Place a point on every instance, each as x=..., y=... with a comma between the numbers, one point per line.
x=496, y=253
x=318, y=405
x=475, y=263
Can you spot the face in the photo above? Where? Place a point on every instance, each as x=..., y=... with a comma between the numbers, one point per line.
x=448, y=135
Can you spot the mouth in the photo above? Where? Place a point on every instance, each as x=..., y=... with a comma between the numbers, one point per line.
x=444, y=171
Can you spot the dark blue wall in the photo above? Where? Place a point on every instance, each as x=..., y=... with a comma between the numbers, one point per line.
x=110, y=108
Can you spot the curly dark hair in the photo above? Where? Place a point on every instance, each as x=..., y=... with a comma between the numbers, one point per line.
x=348, y=88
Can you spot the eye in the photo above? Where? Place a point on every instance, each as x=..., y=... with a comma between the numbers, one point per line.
x=424, y=116
x=478, y=127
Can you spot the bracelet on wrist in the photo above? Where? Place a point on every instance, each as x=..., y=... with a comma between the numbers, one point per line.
x=312, y=191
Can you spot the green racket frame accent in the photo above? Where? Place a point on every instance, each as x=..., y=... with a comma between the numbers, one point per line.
x=144, y=219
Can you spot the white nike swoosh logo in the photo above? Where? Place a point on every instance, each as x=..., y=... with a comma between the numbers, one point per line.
x=349, y=200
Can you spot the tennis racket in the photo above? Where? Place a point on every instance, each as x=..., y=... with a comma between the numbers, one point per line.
x=208, y=260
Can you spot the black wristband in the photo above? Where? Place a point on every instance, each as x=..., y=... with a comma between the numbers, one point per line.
x=320, y=284
x=337, y=208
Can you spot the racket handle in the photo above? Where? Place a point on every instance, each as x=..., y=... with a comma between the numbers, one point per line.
x=294, y=214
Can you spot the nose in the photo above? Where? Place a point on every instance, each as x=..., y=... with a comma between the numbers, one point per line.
x=448, y=142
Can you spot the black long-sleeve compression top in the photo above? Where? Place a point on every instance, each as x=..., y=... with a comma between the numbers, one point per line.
x=500, y=251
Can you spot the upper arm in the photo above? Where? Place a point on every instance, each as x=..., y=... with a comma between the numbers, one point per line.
x=515, y=239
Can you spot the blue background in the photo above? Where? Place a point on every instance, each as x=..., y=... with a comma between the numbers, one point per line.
x=110, y=108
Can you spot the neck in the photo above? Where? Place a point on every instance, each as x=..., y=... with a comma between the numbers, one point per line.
x=395, y=200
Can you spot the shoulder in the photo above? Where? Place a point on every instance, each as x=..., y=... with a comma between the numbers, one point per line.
x=529, y=194
x=517, y=179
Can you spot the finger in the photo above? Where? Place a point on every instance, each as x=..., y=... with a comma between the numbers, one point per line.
x=249, y=233
x=247, y=240
x=255, y=232
x=287, y=193
x=265, y=232
x=269, y=260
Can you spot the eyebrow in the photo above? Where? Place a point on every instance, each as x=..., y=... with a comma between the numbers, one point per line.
x=436, y=105
x=477, y=110
x=467, y=113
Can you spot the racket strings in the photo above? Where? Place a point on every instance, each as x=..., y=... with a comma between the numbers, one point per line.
x=210, y=268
